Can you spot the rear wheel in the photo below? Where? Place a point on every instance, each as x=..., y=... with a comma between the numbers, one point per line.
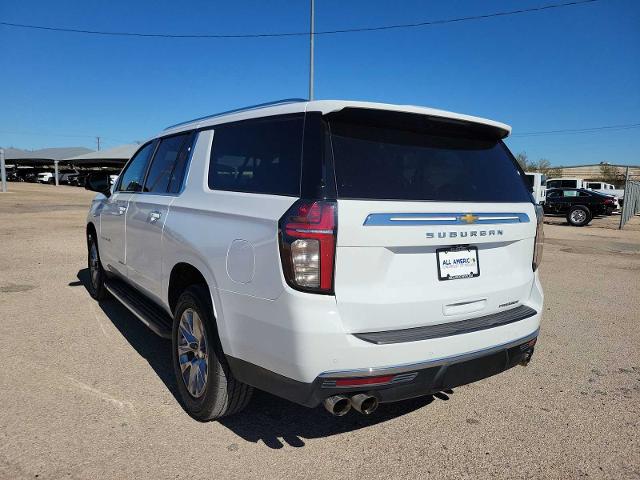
x=579, y=216
x=207, y=387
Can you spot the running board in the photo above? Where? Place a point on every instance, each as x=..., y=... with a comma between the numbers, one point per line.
x=147, y=311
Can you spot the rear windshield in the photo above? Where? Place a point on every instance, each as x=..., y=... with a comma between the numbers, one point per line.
x=376, y=162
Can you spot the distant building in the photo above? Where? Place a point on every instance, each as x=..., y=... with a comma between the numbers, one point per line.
x=594, y=171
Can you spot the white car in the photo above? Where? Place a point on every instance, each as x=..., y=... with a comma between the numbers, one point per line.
x=336, y=252
x=45, y=177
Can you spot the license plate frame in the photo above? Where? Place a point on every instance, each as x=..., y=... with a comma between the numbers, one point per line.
x=472, y=252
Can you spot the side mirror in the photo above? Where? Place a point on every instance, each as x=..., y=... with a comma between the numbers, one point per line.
x=99, y=182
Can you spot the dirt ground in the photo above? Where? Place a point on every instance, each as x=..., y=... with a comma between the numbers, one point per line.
x=86, y=391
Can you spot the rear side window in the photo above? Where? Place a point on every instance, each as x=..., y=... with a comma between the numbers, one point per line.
x=376, y=162
x=168, y=165
x=562, y=184
x=258, y=156
x=133, y=176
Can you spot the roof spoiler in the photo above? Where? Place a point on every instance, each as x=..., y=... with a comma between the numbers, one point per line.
x=418, y=122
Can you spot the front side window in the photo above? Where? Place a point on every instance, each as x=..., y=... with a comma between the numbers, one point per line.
x=553, y=194
x=133, y=175
x=570, y=193
x=168, y=165
x=258, y=156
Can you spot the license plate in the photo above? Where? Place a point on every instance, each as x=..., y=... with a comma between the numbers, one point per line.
x=457, y=262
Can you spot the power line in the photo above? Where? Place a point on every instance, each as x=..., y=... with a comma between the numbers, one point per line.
x=578, y=130
x=426, y=23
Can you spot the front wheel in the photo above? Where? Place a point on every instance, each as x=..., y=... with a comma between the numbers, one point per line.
x=96, y=273
x=207, y=387
x=579, y=216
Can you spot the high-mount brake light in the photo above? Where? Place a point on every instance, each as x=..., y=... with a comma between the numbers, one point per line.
x=308, y=245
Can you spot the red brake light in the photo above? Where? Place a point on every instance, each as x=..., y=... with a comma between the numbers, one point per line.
x=608, y=201
x=307, y=245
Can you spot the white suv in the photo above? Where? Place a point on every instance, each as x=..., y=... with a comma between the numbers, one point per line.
x=335, y=252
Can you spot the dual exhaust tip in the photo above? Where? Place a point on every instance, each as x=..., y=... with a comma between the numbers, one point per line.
x=339, y=405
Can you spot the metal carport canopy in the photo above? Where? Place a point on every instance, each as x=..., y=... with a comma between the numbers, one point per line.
x=113, y=157
x=41, y=158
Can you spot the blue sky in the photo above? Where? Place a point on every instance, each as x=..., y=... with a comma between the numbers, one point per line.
x=569, y=68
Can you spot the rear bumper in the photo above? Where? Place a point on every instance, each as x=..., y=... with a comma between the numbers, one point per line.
x=409, y=381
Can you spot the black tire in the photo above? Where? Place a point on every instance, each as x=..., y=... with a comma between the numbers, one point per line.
x=579, y=216
x=96, y=272
x=223, y=395
x=52, y=181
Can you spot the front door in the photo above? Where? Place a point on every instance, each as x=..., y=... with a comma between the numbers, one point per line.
x=111, y=240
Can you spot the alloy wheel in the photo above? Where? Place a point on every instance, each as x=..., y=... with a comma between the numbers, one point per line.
x=193, y=354
x=578, y=216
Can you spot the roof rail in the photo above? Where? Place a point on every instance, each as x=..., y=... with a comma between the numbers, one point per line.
x=243, y=109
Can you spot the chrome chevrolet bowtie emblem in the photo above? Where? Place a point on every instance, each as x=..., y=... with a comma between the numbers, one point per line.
x=469, y=218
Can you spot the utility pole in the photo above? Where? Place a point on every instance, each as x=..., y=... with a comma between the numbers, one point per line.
x=98, y=141
x=311, y=35
x=3, y=171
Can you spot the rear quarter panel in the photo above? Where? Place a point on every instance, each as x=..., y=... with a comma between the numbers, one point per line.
x=230, y=237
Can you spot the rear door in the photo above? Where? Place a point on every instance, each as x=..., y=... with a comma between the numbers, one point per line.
x=435, y=224
x=148, y=211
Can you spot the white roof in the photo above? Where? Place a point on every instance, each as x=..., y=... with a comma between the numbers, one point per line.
x=327, y=106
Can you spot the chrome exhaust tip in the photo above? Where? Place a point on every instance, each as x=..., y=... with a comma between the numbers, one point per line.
x=526, y=358
x=364, y=403
x=338, y=405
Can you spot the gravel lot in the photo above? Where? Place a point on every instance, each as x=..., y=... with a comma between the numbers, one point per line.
x=87, y=392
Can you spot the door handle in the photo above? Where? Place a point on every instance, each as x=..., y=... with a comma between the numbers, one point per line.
x=121, y=210
x=154, y=216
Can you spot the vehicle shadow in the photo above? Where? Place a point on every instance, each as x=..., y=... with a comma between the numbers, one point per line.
x=274, y=421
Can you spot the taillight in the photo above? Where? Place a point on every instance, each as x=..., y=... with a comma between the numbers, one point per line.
x=539, y=241
x=608, y=201
x=308, y=245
